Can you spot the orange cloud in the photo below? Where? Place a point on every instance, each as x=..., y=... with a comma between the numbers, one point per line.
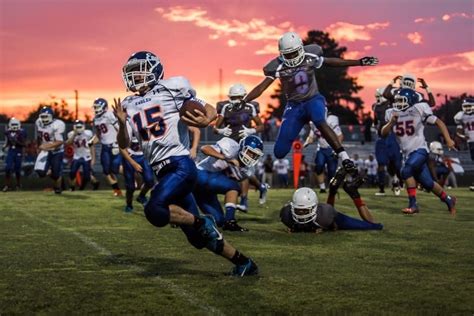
x=415, y=38
x=249, y=72
x=354, y=32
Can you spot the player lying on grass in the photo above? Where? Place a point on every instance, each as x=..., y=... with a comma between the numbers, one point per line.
x=305, y=214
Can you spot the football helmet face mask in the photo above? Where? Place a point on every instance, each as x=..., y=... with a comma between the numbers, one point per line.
x=236, y=94
x=79, y=126
x=467, y=106
x=436, y=148
x=291, y=49
x=251, y=150
x=404, y=99
x=142, y=71
x=46, y=115
x=14, y=124
x=304, y=205
x=379, y=95
x=408, y=81
x=100, y=106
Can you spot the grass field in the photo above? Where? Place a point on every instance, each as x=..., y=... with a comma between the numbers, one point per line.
x=79, y=253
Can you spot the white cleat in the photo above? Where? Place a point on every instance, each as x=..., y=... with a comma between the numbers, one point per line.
x=379, y=193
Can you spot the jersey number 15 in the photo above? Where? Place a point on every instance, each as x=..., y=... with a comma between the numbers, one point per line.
x=155, y=125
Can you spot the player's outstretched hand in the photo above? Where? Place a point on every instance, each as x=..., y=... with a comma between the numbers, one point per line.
x=198, y=118
x=225, y=131
x=119, y=111
x=244, y=132
x=451, y=144
x=352, y=187
x=423, y=83
x=369, y=61
x=336, y=181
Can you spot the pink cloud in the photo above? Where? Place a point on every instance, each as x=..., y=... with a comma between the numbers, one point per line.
x=449, y=16
x=415, y=38
x=425, y=20
x=383, y=43
x=354, y=32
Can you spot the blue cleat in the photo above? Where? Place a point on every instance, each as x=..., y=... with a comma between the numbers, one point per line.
x=451, y=203
x=128, y=209
x=243, y=206
x=142, y=200
x=248, y=268
x=209, y=231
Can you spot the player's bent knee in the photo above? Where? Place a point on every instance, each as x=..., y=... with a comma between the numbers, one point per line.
x=158, y=216
x=406, y=172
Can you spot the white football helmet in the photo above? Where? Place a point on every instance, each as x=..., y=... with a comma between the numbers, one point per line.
x=79, y=126
x=14, y=124
x=291, y=49
x=467, y=105
x=408, y=81
x=236, y=93
x=436, y=148
x=379, y=95
x=304, y=205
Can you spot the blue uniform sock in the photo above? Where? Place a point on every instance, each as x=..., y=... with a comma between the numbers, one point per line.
x=346, y=222
x=229, y=211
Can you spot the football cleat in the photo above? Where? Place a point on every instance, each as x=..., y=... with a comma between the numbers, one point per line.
x=233, y=226
x=118, y=193
x=379, y=193
x=451, y=203
x=142, y=200
x=210, y=233
x=263, y=193
x=57, y=190
x=5, y=188
x=128, y=209
x=411, y=210
x=95, y=186
x=248, y=268
x=322, y=191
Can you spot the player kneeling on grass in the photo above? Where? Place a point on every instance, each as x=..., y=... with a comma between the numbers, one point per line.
x=159, y=113
x=134, y=162
x=305, y=214
x=227, y=163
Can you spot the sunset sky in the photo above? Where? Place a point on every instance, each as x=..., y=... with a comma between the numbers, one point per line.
x=52, y=47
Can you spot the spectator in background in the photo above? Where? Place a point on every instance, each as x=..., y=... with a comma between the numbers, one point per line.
x=281, y=167
x=359, y=163
x=268, y=170
x=371, y=170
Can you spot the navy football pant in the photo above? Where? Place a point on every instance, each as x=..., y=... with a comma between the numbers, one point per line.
x=129, y=172
x=13, y=162
x=110, y=162
x=416, y=166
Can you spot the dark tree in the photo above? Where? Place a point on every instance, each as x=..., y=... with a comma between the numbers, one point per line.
x=450, y=107
x=4, y=118
x=334, y=83
x=60, y=109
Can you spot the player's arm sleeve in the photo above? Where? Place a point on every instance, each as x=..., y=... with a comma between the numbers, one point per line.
x=426, y=113
x=270, y=69
x=317, y=52
x=457, y=119
x=113, y=121
x=183, y=90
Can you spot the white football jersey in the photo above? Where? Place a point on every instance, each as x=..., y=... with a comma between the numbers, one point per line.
x=80, y=144
x=154, y=118
x=230, y=149
x=135, y=149
x=409, y=127
x=47, y=134
x=371, y=167
x=333, y=122
x=466, y=122
x=106, y=126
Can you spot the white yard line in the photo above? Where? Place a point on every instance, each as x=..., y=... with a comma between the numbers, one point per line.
x=195, y=302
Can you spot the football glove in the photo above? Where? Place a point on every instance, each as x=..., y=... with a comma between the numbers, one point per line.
x=369, y=61
x=352, y=187
x=226, y=131
x=337, y=180
x=244, y=132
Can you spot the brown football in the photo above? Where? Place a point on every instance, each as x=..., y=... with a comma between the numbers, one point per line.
x=190, y=106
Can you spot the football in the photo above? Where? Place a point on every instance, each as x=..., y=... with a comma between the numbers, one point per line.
x=190, y=106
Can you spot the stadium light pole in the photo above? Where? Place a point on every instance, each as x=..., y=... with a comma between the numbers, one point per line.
x=77, y=103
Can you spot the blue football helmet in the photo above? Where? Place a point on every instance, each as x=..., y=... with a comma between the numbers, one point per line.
x=404, y=99
x=46, y=115
x=467, y=105
x=250, y=151
x=142, y=71
x=78, y=126
x=100, y=106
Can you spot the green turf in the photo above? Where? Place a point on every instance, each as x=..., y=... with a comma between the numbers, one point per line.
x=79, y=253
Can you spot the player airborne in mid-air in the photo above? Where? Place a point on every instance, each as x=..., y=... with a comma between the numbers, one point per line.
x=296, y=68
x=152, y=114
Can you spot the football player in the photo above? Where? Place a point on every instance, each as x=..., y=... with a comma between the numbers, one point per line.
x=305, y=214
x=234, y=120
x=406, y=119
x=15, y=138
x=387, y=150
x=106, y=127
x=438, y=167
x=465, y=123
x=227, y=163
x=80, y=138
x=153, y=115
x=408, y=81
x=50, y=137
x=325, y=156
x=134, y=162
x=296, y=68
